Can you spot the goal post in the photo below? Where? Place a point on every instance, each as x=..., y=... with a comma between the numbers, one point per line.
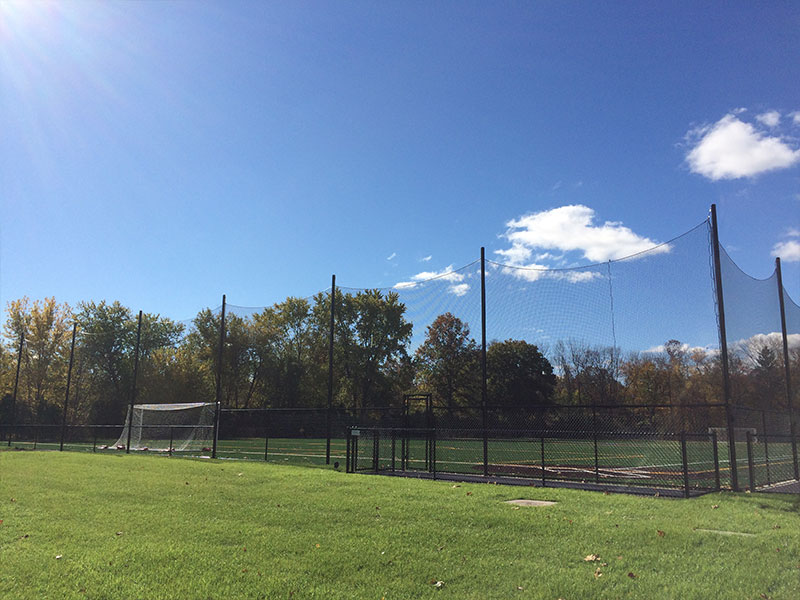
x=169, y=427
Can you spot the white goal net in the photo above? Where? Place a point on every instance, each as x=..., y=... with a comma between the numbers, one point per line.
x=169, y=427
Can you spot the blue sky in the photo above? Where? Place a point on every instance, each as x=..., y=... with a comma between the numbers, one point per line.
x=165, y=153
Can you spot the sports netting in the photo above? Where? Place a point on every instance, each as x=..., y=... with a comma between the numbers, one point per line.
x=622, y=379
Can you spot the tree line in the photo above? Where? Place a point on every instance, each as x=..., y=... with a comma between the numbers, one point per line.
x=279, y=358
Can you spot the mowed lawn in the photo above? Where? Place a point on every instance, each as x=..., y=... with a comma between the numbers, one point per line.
x=114, y=526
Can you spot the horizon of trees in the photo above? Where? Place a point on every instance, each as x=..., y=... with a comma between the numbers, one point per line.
x=278, y=358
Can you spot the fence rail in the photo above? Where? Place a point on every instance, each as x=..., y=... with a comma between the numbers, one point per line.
x=686, y=463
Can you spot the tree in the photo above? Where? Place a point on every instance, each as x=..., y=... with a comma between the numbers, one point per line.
x=448, y=362
x=372, y=336
x=106, y=354
x=46, y=326
x=518, y=374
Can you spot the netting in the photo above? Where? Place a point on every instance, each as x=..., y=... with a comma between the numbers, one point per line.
x=169, y=427
x=626, y=349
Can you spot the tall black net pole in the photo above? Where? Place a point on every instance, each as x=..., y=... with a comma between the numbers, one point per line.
x=16, y=385
x=330, y=370
x=483, y=364
x=133, y=385
x=787, y=373
x=69, y=379
x=219, y=377
x=723, y=344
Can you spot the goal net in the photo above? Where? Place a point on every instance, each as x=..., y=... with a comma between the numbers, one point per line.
x=176, y=427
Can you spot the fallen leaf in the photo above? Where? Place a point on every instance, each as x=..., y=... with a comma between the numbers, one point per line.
x=603, y=564
x=661, y=533
x=58, y=556
x=438, y=584
x=520, y=588
x=317, y=546
x=469, y=493
x=597, y=573
x=455, y=486
x=632, y=575
x=591, y=558
x=1, y=521
x=713, y=506
x=118, y=533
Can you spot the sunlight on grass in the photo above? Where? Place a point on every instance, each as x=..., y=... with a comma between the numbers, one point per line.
x=140, y=527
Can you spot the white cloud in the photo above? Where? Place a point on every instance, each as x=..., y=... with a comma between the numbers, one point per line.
x=391, y=256
x=447, y=274
x=426, y=258
x=748, y=348
x=568, y=229
x=788, y=251
x=795, y=117
x=459, y=289
x=708, y=351
x=731, y=148
x=770, y=118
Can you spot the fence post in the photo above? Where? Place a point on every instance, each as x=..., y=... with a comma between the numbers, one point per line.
x=483, y=364
x=716, y=460
x=375, y=450
x=171, y=438
x=594, y=436
x=787, y=374
x=66, y=396
x=433, y=452
x=330, y=369
x=723, y=343
x=220, y=364
x=266, y=434
x=766, y=442
x=347, y=452
x=16, y=386
x=393, y=445
x=685, y=463
x=750, y=467
x=133, y=388
x=544, y=483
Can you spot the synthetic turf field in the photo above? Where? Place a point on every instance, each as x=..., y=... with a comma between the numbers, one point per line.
x=637, y=462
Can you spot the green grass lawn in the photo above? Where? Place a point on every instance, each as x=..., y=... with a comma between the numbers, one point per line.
x=140, y=527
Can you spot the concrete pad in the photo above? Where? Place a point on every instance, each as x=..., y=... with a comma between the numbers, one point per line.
x=530, y=502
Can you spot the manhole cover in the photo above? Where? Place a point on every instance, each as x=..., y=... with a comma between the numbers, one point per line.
x=530, y=502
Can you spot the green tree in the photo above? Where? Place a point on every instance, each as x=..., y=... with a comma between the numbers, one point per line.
x=518, y=374
x=372, y=337
x=448, y=362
